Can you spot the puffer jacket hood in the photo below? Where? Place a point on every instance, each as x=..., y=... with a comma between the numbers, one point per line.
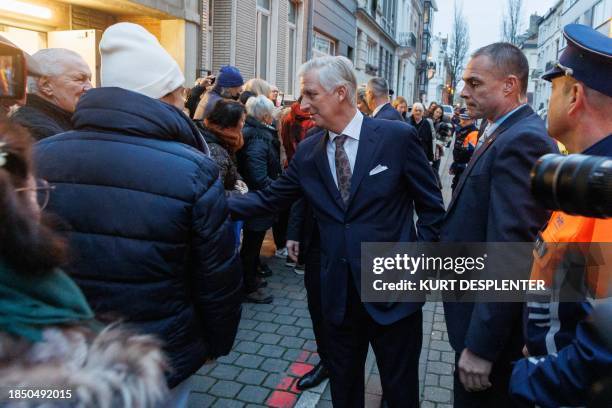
x=134, y=114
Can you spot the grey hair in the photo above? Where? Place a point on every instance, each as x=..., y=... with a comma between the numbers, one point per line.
x=333, y=72
x=418, y=105
x=259, y=107
x=258, y=86
x=51, y=62
x=379, y=87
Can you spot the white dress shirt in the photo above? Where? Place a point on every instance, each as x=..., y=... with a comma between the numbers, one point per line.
x=352, y=130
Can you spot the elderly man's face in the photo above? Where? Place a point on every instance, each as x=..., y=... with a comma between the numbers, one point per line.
x=66, y=88
x=483, y=90
x=319, y=102
x=417, y=113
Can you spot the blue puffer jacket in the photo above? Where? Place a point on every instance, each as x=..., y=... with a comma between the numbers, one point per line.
x=147, y=222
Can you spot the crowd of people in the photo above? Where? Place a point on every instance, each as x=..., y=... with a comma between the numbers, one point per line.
x=157, y=200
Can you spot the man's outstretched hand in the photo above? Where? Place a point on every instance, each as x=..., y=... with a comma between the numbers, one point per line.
x=293, y=249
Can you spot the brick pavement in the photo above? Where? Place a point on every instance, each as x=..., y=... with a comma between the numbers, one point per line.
x=275, y=346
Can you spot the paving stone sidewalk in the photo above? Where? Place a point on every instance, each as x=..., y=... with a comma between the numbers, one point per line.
x=275, y=346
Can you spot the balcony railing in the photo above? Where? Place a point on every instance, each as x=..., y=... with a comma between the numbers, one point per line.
x=407, y=39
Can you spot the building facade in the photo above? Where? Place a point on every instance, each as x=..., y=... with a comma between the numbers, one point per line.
x=78, y=25
x=529, y=45
x=408, y=15
x=376, y=44
x=424, y=64
x=549, y=45
x=438, y=86
x=263, y=38
x=593, y=13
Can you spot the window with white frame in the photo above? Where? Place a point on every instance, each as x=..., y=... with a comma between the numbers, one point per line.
x=292, y=31
x=323, y=45
x=598, y=14
x=371, y=53
x=263, y=38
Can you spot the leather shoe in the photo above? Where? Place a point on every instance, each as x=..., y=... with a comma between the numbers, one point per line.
x=264, y=270
x=313, y=378
x=259, y=296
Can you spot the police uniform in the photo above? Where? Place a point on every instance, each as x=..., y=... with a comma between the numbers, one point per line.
x=566, y=357
x=466, y=140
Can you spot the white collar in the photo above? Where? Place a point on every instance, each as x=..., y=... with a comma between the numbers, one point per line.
x=378, y=108
x=353, y=129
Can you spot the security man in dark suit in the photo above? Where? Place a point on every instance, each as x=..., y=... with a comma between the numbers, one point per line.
x=377, y=98
x=364, y=179
x=493, y=203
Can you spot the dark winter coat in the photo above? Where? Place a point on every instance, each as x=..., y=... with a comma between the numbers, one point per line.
x=148, y=223
x=426, y=136
x=259, y=163
x=42, y=118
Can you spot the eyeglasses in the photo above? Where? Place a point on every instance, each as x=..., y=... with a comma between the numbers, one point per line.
x=43, y=191
x=566, y=70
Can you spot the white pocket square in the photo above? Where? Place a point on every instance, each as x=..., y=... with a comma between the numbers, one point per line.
x=378, y=169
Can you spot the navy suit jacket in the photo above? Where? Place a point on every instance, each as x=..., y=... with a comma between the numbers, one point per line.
x=380, y=207
x=493, y=203
x=389, y=112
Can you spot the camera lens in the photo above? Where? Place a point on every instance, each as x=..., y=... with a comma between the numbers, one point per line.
x=576, y=184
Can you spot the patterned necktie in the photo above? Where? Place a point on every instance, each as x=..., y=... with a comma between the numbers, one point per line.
x=343, y=168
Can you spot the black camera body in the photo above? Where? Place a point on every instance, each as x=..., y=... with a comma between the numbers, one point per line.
x=13, y=74
x=576, y=184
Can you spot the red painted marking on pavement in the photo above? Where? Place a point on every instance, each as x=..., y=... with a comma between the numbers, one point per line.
x=286, y=392
x=281, y=399
x=299, y=369
x=303, y=357
x=285, y=383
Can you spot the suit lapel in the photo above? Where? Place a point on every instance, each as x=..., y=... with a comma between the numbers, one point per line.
x=507, y=124
x=368, y=142
x=322, y=162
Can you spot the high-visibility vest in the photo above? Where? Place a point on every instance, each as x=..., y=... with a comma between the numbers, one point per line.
x=471, y=138
x=564, y=228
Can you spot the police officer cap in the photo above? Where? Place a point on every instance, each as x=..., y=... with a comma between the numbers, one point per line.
x=587, y=58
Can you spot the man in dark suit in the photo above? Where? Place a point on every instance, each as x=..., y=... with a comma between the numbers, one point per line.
x=493, y=203
x=377, y=98
x=363, y=179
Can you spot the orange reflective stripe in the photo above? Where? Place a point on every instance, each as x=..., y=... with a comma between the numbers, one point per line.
x=471, y=138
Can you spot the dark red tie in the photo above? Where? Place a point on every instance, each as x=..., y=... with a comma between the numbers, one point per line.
x=343, y=168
